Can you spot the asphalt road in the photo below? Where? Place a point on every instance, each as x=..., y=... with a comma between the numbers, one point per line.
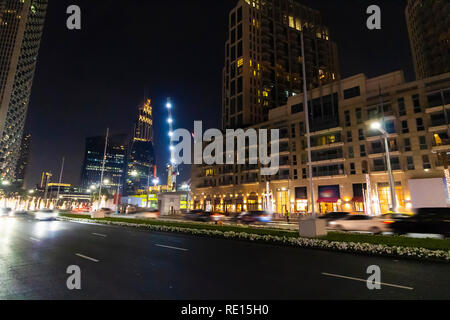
x=125, y=263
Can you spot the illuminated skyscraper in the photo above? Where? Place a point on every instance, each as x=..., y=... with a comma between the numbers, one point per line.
x=141, y=162
x=114, y=165
x=429, y=34
x=263, y=59
x=21, y=26
x=24, y=160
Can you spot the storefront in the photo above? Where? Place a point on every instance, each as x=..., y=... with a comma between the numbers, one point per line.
x=301, y=200
x=218, y=207
x=228, y=206
x=359, y=190
x=239, y=207
x=329, y=199
x=282, y=201
x=384, y=195
x=252, y=202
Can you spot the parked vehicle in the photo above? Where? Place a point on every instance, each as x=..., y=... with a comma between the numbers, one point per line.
x=46, y=214
x=250, y=217
x=426, y=220
x=360, y=223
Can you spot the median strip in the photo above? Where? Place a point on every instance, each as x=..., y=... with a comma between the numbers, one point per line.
x=392, y=246
x=364, y=280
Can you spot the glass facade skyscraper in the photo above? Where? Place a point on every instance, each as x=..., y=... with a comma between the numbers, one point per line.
x=21, y=26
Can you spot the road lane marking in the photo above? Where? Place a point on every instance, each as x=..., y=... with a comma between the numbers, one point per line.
x=34, y=239
x=86, y=257
x=169, y=247
x=365, y=280
x=100, y=235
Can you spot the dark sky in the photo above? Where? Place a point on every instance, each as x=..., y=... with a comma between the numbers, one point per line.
x=95, y=78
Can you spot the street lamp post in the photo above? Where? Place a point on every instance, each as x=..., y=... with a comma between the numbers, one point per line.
x=103, y=170
x=308, y=133
x=379, y=127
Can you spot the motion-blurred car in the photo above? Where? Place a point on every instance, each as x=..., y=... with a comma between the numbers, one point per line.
x=151, y=214
x=204, y=216
x=81, y=210
x=5, y=212
x=360, y=223
x=426, y=220
x=250, y=217
x=105, y=210
x=46, y=214
x=193, y=214
x=333, y=216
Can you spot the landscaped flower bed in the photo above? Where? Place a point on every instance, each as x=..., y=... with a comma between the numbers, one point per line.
x=350, y=247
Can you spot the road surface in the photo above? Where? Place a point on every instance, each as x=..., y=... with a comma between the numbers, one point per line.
x=127, y=263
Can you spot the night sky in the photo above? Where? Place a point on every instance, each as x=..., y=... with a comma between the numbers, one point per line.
x=97, y=77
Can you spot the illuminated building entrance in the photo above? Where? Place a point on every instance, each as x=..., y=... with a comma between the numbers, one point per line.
x=384, y=194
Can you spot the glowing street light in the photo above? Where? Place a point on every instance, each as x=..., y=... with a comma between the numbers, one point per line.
x=6, y=183
x=378, y=126
x=134, y=173
x=170, y=120
x=169, y=105
x=106, y=181
x=155, y=181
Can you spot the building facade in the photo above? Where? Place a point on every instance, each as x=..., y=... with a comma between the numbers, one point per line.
x=348, y=157
x=21, y=26
x=24, y=158
x=140, y=160
x=263, y=58
x=429, y=33
x=114, y=172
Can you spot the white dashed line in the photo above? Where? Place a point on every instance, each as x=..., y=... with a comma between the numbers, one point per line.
x=169, y=247
x=86, y=257
x=34, y=239
x=100, y=235
x=365, y=280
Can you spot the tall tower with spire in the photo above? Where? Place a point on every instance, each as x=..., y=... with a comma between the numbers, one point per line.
x=141, y=159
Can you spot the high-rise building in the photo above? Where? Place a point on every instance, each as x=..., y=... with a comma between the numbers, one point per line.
x=22, y=164
x=114, y=165
x=263, y=58
x=429, y=33
x=21, y=26
x=140, y=162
